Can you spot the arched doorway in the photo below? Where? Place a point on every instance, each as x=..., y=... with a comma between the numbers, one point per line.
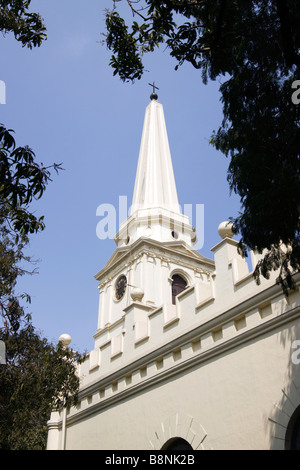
x=177, y=443
x=178, y=285
x=292, y=438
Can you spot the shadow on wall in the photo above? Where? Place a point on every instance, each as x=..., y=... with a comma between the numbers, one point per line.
x=283, y=423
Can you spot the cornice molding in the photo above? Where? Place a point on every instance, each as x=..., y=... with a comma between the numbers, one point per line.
x=177, y=251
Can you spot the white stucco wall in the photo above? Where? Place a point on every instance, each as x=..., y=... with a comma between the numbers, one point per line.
x=232, y=397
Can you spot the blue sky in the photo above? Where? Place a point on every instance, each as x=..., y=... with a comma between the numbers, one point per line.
x=63, y=101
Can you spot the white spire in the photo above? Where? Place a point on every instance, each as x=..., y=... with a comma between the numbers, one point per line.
x=155, y=183
x=155, y=211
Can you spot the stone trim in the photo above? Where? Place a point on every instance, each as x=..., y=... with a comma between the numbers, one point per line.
x=179, y=425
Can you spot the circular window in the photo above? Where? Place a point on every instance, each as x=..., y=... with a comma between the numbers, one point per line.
x=174, y=235
x=120, y=287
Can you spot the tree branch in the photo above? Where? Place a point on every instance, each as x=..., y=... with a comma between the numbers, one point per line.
x=137, y=12
x=291, y=57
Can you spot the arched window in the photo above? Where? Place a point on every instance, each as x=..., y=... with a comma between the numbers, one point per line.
x=177, y=443
x=178, y=285
x=292, y=439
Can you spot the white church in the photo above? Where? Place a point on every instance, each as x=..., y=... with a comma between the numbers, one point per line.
x=190, y=353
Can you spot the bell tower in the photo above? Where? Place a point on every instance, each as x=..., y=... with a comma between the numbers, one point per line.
x=155, y=211
x=154, y=260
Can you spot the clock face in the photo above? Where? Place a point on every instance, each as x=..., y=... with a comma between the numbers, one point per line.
x=120, y=287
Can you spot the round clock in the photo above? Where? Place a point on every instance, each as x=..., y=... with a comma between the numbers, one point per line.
x=120, y=287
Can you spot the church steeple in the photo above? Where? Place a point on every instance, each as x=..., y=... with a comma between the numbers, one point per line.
x=155, y=211
x=154, y=259
x=155, y=183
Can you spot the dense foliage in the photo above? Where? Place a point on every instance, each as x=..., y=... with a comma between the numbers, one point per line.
x=253, y=48
x=27, y=27
x=37, y=376
x=22, y=180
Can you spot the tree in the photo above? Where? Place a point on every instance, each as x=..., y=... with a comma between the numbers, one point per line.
x=38, y=377
x=27, y=27
x=22, y=180
x=253, y=47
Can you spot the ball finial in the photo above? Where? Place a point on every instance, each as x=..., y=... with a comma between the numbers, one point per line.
x=137, y=294
x=65, y=339
x=226, y=229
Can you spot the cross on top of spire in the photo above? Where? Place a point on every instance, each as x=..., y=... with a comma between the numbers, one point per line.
x=153, y=95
